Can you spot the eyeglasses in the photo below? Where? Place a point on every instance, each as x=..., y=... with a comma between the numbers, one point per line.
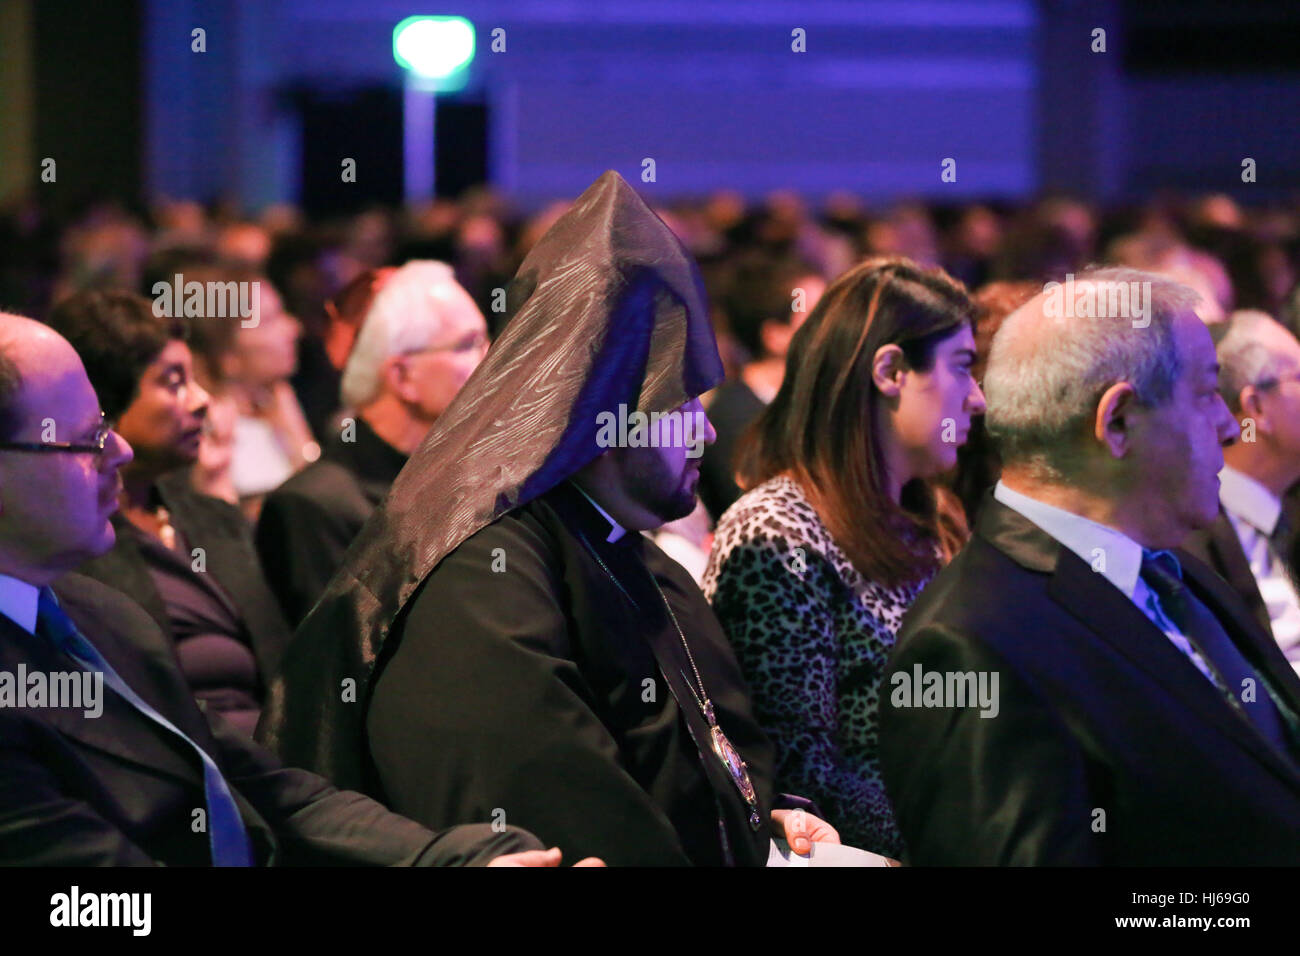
x=474, y=344
x=1269, y=383
x=93, y=447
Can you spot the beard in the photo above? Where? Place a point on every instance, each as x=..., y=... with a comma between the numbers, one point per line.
x=652, y=483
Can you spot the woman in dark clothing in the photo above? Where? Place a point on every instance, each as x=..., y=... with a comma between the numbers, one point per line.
x=187, y=558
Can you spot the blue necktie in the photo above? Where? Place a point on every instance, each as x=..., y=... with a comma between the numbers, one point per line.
x=226, y=834
x=1164, y=575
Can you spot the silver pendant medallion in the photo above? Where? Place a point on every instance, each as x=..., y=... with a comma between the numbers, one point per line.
x=738, y=771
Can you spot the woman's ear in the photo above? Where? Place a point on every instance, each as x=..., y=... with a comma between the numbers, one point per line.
x=887, y=370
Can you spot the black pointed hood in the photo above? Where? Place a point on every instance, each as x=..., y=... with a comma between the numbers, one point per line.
x=608, y=310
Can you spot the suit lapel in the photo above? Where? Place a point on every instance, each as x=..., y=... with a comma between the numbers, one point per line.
x=149, y=667
x=120, y=730
x=1257, y=645
x=1225, y=552
x=1116, y=621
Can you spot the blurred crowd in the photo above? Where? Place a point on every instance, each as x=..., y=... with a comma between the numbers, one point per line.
x=850, y=462
x=764, y=264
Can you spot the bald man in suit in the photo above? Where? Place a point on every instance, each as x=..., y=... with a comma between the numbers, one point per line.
x=107, y=760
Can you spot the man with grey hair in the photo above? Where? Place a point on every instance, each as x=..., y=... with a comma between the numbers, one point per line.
x=1251, y=543
x=1143, y=716
x=420, y=340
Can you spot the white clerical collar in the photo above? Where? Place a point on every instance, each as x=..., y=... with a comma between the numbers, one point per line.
x=1122, y=556
x=1245, y=498
x=616, y=530
x=18, y=601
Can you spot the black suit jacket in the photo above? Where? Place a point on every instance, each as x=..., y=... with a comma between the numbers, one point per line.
x=117, y=789
x=1220, y=548
x=308, y=523
x=1109, y=746
x=222, y=531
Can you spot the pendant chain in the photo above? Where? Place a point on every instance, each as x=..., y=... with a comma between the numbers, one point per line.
x=731, y=760
x=702, y=697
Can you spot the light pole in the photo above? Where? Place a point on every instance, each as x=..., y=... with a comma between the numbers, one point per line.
x=436, y=53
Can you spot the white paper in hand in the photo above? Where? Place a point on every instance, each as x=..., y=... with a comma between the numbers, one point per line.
x=822, y=854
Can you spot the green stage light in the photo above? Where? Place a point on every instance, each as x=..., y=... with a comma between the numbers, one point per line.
x=434, y=48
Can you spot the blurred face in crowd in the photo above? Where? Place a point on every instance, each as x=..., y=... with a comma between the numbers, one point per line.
x=164, y=423
x=429, y=379
x=931, y=415
x=267, y=352
x=1275, y=405
x=1176, y=449
x=777, y=335
x=54, y=505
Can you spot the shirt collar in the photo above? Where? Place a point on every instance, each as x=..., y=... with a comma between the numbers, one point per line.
x=1247, y=499
x=616, y=530
x=18, y=601
x=1121, y=555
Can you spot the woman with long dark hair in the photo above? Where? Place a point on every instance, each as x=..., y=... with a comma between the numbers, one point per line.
x=843, y=524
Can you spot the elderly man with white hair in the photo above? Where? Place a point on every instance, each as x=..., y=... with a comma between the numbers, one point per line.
x=420, y=340
x=1130, y=709
x=1252, y=543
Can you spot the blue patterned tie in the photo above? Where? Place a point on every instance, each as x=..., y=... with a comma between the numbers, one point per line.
x=226, y=834
x=1164, y=575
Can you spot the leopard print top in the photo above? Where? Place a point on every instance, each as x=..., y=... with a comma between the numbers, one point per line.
x=813, y=638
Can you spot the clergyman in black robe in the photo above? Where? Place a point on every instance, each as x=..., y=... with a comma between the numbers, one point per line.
x=497, y=647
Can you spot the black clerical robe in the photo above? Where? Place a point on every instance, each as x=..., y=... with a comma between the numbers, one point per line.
x=528, y=688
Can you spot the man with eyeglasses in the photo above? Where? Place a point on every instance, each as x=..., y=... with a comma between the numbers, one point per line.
x=1252, y=543
x=420, y=339
x=142, y=778
x=185, y=557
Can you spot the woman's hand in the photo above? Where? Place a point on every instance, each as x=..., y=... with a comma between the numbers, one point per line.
x=801, y=830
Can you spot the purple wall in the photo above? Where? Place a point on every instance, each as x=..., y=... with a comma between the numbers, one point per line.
x=711, y=91
x=714, y=94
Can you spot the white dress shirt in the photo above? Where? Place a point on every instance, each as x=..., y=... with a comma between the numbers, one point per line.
x=18, y=601
x=1112, y=554
x=1253, y=512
